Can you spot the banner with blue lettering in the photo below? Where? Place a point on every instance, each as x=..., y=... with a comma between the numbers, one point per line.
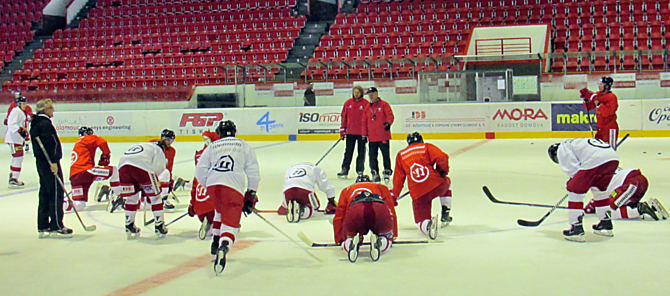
x=571, y=117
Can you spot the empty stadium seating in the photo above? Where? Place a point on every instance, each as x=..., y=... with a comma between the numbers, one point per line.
x=16, y=17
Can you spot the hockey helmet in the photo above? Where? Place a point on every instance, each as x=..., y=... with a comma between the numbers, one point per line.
x=553, y=152
x=607, y=81
x=20, y=99
x=362, y=178
x=414, y=137
x=85, y=131
x=167, y=134
x=226, y=129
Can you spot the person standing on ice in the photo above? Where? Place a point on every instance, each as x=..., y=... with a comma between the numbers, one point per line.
x=606, y=104
x=591, y=164
x=15, y=137
x=352, y=129
x=378, y=130
x=425, y=167
x=50, y=208
x=300, y=200
x=223, y=168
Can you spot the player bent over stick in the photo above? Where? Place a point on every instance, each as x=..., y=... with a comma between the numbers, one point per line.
x=591, y=164
x=363, y=207
x=300, y=200
x=625, y=191
x=138, y=170
x=83, y=171
x=201, y=204
x=222, y=169
x=427, y=167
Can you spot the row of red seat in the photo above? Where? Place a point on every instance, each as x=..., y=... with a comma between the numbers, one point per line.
x=20, y=18
x=597, y=5
x=186, y=8
x=15, y=46
x=197, y=31
x=625, y=63
x=17, y=36
x=95, y=95
x=394, y=37
x=191, y=20
x=262, y=14
x=6, y=56
x=21, y=8
x=412, y=50
x=109, y=3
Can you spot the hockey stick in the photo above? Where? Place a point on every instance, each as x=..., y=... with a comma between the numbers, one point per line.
x=286, y=235
x=312, y=244
x=588, y=116
x=46, y=155
x=621, y=142
x=538, y=222
x=177, y=219
x=328, y=152
x=494, y=200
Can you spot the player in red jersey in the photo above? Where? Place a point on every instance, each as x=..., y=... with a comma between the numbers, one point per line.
x=365, y=207
x=201, y=204
x=425, y=167
x=606, y=104
x=83, y=171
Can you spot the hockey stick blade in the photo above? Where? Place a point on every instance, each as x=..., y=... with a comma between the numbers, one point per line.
x=286, y=235
x=176, y=219
x=538, y=222
x=495, y=200
x=303, y=237
x=621, y=142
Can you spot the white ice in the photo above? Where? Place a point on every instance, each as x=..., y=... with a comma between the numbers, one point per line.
x=484, y=251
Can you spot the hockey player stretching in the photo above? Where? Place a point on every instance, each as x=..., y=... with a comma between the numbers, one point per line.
x=138, y=173
x=426, y=167
x=363, y=207
x=300, y=200
x=625, y=191
x=606, y=104
x=15, y=137
x=223, y=168
x=83, y=171
x=201, y=204
x=590, y=163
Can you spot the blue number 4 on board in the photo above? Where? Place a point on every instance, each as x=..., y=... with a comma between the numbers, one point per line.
x=265, y=121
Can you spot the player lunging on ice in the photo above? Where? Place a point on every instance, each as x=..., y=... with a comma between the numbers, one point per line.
x=426, y=167
x=201, y=203
x=300, y=200
x=591, y=164
x=223, y=168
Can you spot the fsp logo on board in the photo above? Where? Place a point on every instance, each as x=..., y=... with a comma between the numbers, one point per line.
x=419, y=173
x=518, y=114
x=200, y=119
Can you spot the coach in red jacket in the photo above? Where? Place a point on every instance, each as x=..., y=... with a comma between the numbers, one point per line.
x=352, y=128
x=378, y=129
x=606, y=104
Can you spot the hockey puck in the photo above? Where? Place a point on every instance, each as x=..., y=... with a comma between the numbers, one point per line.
x=659, y=153
x=644, y=152
x=532, y=143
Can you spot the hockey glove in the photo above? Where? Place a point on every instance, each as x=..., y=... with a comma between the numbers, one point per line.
x=387, y=126
x=250, y=200
x=23, y=132
x=331, y=207
x=343, y=133
x=191, y=211
x=104, y=160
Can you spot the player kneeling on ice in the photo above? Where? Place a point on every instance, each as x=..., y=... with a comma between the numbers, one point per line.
x=363, y=207
x=300, y=200
x=201, y=203
x=590, y=163
x=427, y=167
x=138, y=174
x=83, y=171
x=223, y=168
x=625, y=191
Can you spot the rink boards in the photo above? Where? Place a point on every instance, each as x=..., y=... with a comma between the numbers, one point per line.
x=640, y=118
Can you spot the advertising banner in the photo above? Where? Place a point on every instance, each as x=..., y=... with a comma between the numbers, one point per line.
x=571, y=117
x=520, y=117
x=319, y=120
x=441, y=118
x=656, y=115
x=108, y=123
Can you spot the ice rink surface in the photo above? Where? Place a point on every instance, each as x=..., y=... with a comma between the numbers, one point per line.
x=484, y=251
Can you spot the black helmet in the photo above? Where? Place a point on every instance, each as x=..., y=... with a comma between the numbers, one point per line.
x=553, y=152
x=20, y=99
x=362, y=178
x=226, y=129
x=85, y=130
x=414, y=137
x=607, y=81
x=169, y=134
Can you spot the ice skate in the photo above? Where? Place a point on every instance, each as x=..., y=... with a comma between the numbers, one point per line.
x=646, y=211
x=132, y=232
x=179, y=184
x=290, y=212
x=604, y=227
x=387, y=176
x=214, y=248
x=160, y=230
x=344, y=174
x=26, y=147
x=204, y=229
x=61, y=233
x=375, y=246
x=105, y=191
x=116, y=202
x=43, y=233
x=220, y=261
x=445, y=218
x=433, y=227
x=353, y=248
x=167, y=206
x=658, y=207
x=15, y=184
x=575, y=233
x=375, y=177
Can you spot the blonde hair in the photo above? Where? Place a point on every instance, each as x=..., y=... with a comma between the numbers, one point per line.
x=43, y=104
x=360, y=89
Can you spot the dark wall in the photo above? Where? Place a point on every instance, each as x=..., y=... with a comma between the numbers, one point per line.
x=52, y=23
x=321, y=11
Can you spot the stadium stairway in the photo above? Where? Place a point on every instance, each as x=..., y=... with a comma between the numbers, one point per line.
x=304, y=46
x=82, y=14
x=17, y=63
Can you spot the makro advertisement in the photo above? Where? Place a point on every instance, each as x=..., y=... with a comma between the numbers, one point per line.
x=571, y=117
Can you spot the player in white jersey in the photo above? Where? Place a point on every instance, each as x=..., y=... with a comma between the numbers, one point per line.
x=625, y=192
x=223, y=168
x=15, y=138
x=590, y=163
x=138, y=173
x=300, y=200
